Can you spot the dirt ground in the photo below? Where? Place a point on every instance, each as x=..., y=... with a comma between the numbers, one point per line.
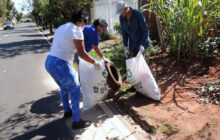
x=179, y=114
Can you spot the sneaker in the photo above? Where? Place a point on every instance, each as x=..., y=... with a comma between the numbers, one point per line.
x=80, y=124
x=67, y=114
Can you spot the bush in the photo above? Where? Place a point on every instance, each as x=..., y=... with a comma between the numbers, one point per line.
x=117, y=27
x=40, y=27
x=185, y=24
x=209, y=47
x=104, y=37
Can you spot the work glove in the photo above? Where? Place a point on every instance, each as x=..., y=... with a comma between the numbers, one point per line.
x=142, y=49
x=126, y=51
x=105, y=59
x=97, y=65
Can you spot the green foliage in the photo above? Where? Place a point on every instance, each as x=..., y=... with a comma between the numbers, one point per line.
x=168, y=128
x=189, y=135
x=117, y=27
x=56, y=12
x=170, y=107
x=201, y=133
x=209, y=47
x=104, y=37
x=94, y=55
x=152, y=50
x=19, y=16
x=7, y=10
x=2, y=8
x=40, y=27
x=186, y=23
x=118, y=58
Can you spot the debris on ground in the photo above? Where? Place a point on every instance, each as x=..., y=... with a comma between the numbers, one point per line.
x=209, y=92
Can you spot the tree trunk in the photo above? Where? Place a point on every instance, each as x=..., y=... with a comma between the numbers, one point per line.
x=51, y=28
x=162, y=43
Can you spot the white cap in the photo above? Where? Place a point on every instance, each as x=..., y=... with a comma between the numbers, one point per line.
x=120, y=6
x=104, y=24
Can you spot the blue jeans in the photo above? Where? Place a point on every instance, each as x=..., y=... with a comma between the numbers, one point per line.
x=65, y=76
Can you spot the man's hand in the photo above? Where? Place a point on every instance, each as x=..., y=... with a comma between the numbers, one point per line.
x=126, y=51
x=97, y=65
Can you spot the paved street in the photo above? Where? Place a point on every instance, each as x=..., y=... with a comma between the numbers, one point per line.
x=30, y=107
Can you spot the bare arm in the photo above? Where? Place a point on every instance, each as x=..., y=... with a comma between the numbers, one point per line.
x=82, y=52
x=97, y=50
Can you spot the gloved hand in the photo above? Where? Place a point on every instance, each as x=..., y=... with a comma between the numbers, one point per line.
x=105, y=59
x=142, y=49
x=97, y=65
x=126, y=51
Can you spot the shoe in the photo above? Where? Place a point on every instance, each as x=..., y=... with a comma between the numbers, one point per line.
x=80, y=124
x=67, y=114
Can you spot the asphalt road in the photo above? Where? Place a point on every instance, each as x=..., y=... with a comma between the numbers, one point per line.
x=30, y=106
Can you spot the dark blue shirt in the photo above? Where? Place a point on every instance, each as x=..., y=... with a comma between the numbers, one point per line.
x=91, y=37
x=135, y=31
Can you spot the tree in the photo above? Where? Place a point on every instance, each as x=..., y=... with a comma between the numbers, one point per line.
x=2, y=8
x=55, y=12
x=19, y=17
x=7, y=10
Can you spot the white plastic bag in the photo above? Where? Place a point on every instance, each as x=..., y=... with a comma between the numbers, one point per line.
x=140, y=76
x=93, y=83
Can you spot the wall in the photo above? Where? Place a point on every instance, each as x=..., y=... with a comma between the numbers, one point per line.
x=106, y=9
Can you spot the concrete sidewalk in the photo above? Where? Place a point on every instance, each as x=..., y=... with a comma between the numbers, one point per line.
x=107, y=125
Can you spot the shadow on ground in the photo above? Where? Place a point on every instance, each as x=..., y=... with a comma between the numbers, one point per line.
x=23, y=47
x=37, y=119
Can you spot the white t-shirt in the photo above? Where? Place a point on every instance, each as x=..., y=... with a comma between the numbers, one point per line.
x=63, y=46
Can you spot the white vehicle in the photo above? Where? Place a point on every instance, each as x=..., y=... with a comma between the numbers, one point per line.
x=8, y=25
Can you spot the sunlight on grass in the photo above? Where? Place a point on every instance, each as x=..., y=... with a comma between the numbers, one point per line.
x=168, y=128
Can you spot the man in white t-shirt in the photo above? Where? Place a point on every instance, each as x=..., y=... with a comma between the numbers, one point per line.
x=69, y=39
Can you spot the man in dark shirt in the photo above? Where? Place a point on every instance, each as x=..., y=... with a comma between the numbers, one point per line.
x=134, y=30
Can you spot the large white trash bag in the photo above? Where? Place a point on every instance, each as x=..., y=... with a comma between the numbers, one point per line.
x=140, y=76
x=93, y=83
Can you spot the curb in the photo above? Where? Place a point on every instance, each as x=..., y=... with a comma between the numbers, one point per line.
x=42, y=34
x=124, y=121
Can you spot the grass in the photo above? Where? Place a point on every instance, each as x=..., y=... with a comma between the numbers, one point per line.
x=209, y=124
x=147, y=109
x=170, y=108
x=189, y=135
x=153, y=129
x=168, y=128
x=150, y=117
x=201, y=133
x=40, y=27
